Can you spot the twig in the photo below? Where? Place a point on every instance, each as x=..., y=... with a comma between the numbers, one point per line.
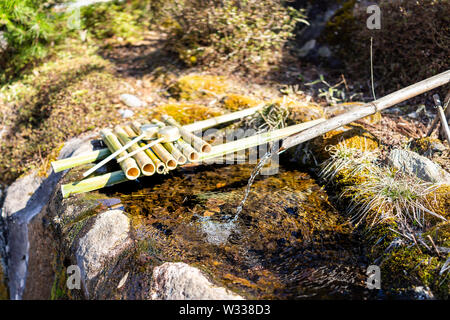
x=434, y=246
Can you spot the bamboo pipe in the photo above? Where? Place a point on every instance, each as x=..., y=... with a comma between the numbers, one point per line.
x=258, y=139
x=143, y=160
x=160, y=166
x=367, y=109
x=129, y=166
x=85, y=158
x=198, y=143
x=94, y=183
x=190, y=153
x=160, y=151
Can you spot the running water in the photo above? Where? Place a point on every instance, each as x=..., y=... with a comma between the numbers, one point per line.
x=252, y=178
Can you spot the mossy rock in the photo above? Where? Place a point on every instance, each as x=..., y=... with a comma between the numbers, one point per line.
x=352, y=136
x=196, y=86
x=408, y=266
x=440, y=201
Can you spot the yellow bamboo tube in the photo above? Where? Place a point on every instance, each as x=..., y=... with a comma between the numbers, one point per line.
x=198, y=143
x=177, y=154
x=143, y=160
x=190, y=153
x=160, y=166
x=129, y=166
x=164, y=155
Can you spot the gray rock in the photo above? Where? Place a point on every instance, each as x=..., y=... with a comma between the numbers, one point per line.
x=307, y=47
x=414, y=164
x=24, y=200
x=131, y=100
x=3, y=42
x=126, y=113
x=179, y=281
x=108, y=236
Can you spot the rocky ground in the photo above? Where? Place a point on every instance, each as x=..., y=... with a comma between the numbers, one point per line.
x=168, y=238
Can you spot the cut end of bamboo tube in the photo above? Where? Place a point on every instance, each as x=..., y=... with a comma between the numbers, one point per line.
x=148, y=169
x=206, y=148
x=161, y=168
x=171, y=164
x=132, y=173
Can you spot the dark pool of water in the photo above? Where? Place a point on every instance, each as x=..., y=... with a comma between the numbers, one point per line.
x=288, y=242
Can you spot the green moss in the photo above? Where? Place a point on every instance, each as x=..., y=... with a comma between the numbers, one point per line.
x=185, y=113
x=70, y=94
x=408, y=266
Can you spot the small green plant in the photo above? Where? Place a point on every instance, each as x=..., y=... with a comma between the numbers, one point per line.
x=248, y=33
x=106, y=20
x=388, y=194
x=343, y=157
x=27, y=29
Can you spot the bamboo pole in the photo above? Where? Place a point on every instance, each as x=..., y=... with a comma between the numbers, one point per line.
x=208, y=123
x=129, y=166
x=84, y=158
x=249, y=142
x=367, y=109
x=160, y=166
x=143, y=160
x=190, y=153
x=94, y=183
x=198, y=143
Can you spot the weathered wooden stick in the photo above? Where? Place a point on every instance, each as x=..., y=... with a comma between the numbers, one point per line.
x=367, y=109
x=443, y=118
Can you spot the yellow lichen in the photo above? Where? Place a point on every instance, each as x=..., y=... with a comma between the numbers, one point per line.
x=236, y=102
x=185, y=113
x=440, y=201
x=199, y=86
